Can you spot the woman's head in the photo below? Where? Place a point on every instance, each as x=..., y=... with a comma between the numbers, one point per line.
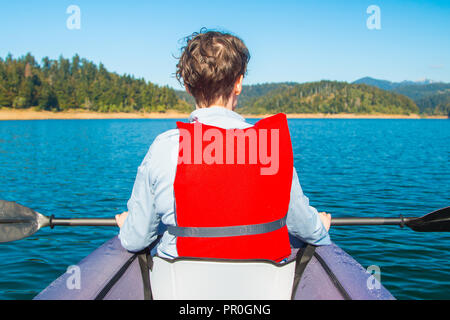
x=211, y=67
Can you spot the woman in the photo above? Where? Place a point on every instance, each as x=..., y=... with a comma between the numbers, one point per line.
x=212, y=67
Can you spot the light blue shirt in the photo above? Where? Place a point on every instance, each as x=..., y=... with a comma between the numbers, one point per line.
x=151, y=206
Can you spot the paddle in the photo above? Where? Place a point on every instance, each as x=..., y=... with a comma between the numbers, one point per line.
x=18, y=222
x=436, y=221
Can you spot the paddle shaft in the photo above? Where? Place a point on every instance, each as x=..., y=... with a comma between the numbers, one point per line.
x=370, y=221
x=348, y=221
x=84, y=222
x=18, y=222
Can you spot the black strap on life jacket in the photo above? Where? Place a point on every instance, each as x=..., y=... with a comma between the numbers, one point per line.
x=304, y=255
x=146, y=264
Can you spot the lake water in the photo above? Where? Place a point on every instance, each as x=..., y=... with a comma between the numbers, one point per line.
x=86, y=168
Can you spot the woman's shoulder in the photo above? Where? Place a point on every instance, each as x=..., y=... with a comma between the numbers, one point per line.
x=163, y=148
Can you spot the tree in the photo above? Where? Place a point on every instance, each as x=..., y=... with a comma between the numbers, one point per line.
x=48, y=99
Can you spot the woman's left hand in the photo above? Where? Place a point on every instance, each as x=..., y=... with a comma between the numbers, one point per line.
x=120, y=219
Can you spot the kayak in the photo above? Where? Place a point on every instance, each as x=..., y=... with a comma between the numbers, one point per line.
x=113, y=273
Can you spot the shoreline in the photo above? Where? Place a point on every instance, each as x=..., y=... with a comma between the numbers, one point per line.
x=30, y=114
x=349, y=116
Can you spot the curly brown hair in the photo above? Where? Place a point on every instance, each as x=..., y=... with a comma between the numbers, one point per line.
x=210, y=64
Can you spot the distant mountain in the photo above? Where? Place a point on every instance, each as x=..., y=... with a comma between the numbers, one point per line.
x=418, y=82
x=431, y=97
x=382, y=84
x=388, y=85
x=417, y=92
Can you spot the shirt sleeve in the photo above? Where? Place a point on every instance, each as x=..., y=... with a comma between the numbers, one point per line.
x=140, y=228
x=303, y=220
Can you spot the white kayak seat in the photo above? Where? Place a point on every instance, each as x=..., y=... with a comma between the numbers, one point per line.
x=217, y=279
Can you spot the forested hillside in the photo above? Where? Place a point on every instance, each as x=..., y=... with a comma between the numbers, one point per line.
x=318, y=97
x=435, y=104
x=64, y=84
x=330, y=97
x=77, y=83
x=431, y=97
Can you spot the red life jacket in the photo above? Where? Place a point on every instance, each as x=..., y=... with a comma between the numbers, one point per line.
x=251, y=198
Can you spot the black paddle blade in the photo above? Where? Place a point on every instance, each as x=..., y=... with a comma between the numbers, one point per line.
x=436, y=221
x=18, y=222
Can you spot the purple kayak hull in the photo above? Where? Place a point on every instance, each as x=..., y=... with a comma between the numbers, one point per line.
x=112, y=273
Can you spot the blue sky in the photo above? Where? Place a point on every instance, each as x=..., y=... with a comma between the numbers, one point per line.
x=289, y=40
